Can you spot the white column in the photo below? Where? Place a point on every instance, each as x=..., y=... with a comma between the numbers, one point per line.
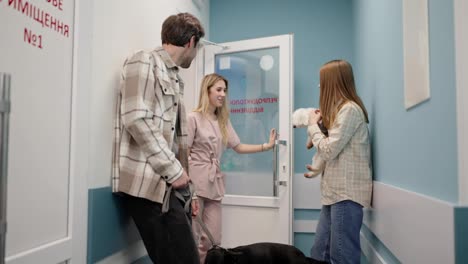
x=461, y=58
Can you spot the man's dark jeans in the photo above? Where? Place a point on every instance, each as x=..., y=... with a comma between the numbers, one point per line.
x=168, y=237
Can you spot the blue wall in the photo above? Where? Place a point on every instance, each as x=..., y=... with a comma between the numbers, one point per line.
x=461, y=235
x=322, y=31
x=416, y=149
x=110, y=230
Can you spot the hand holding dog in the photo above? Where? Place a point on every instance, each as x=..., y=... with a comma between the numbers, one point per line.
x=314, y=117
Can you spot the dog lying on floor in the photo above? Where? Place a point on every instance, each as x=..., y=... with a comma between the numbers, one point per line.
x=258, y=253
x=300, y=118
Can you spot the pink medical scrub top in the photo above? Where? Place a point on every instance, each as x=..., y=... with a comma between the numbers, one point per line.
x=206, y=149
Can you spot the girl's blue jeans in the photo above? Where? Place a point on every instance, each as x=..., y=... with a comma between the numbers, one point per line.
x=337, y=236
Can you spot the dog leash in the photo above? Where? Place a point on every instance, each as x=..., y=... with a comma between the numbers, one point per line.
x=208, y=233
x=187, y=204
x=167, y=199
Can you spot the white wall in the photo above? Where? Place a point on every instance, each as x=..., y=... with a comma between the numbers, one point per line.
x=461, y=57
x=47, y=187
x=121, y=27
x=407, y=222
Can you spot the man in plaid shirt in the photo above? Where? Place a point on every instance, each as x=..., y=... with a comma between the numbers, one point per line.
x=150, y=148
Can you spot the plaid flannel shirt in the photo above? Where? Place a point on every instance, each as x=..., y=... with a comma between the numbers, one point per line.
x=346, y=152
x=150, y=126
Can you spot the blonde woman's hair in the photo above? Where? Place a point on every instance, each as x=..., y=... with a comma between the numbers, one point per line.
x=337, y=88
x=222, y=113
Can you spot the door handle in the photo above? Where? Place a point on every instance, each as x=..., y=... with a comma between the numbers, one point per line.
x=276, y=180
x=281, y=183
x=281, y=142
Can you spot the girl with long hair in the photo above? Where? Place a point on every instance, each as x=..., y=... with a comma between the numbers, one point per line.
x=346, y=184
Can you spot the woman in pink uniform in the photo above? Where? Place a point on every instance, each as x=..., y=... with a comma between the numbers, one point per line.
x=209, y=133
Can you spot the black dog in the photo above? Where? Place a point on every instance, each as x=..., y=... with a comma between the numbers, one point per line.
x=259, y=253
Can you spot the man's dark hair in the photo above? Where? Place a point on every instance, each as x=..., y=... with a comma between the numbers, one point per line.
x=178, y=29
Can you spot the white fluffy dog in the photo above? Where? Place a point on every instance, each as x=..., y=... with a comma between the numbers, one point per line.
x=300, y=118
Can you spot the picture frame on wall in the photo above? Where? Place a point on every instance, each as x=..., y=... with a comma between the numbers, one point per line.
x=416, y=62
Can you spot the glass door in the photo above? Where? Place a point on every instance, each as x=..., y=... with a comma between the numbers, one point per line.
x=253, y=101
x=259, y=72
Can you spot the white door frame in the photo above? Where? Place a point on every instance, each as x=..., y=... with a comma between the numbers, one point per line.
x=461, y=60
x=73, y=247
x=285, y=174
x=79, y=150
